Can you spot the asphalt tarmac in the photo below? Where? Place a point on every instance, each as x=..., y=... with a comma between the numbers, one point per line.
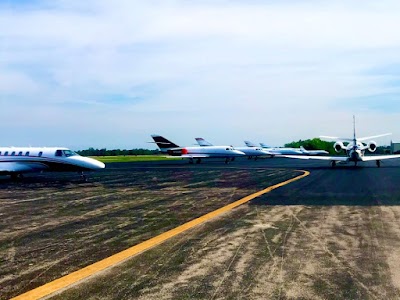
x=331, y=235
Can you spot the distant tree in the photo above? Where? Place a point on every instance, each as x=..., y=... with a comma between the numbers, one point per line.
x=313, y=144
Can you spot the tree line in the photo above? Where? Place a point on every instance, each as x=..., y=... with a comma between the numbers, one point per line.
x=116, y=152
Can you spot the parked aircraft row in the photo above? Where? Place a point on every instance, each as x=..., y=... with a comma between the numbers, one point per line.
x=208, y=150
x=16, y=160
x=355, y=150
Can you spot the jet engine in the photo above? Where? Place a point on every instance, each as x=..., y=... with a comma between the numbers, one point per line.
x=338, y=146
x=372, y=146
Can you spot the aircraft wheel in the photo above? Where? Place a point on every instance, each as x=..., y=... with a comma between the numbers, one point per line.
x=16, y=176
x=333, y=164
x=378, y=163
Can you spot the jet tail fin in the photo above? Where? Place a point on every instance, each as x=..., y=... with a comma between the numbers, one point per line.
x=163, y=143
x=202, y=142
x=250, y=144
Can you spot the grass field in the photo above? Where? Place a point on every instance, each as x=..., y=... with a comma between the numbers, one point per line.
x=131, y=158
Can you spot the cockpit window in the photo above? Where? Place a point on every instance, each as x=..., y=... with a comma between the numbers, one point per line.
x=69, y=153
x=40, y=153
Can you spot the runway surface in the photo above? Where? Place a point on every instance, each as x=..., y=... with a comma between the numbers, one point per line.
x=334, y=234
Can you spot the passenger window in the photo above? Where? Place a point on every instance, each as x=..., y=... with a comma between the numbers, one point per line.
x=13, y=153
x=59, y=153
x=27, y=153
x=0, y=152
x=20, y=153
x=40, y=153
x=6, y=153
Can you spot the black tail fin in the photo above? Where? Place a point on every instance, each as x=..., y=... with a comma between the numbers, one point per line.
x=163, y=143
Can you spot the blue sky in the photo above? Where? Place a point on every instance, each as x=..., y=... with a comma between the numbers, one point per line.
x=110, y=73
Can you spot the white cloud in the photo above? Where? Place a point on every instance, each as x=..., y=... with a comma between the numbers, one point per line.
x=141, y=67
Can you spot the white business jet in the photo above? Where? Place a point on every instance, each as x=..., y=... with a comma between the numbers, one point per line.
x=288, y=151
x=250, y=152
x=355, y=150
x=15, y=161
x=191, y=153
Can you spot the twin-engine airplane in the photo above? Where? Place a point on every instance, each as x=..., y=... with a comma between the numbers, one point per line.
x=250, y=152
x=15, y=161
x=355, y=150
x=172, y=149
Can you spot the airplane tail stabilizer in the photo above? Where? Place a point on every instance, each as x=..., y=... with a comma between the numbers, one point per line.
x=250, y=144
x=163, y=143
x=202, y=142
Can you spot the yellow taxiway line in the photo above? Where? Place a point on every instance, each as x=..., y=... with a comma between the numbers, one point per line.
x=63, y=282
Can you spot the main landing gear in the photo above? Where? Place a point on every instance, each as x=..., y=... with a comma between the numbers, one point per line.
x=333, y=163
x=83, y=176
x=191, y=161
x=378, y=163
x=16, y=176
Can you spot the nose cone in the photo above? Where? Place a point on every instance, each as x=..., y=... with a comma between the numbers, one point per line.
x=239, y=153
x=265, y=152
x=95, y=164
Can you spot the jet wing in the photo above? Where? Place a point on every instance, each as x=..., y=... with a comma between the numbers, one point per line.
x=330, y=158
x=379, y=157
x=372, y=137
x=21, y=167
x=336, y=138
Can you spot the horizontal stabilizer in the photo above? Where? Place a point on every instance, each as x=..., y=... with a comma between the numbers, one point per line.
x=373, y=137
x=336, y=138
x=380, y=157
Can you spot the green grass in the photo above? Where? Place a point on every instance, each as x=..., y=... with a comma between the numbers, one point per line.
x=130, y=158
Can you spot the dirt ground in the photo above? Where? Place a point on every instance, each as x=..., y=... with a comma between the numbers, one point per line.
x=332, y=235
x=279, y=252
x=52, y=225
